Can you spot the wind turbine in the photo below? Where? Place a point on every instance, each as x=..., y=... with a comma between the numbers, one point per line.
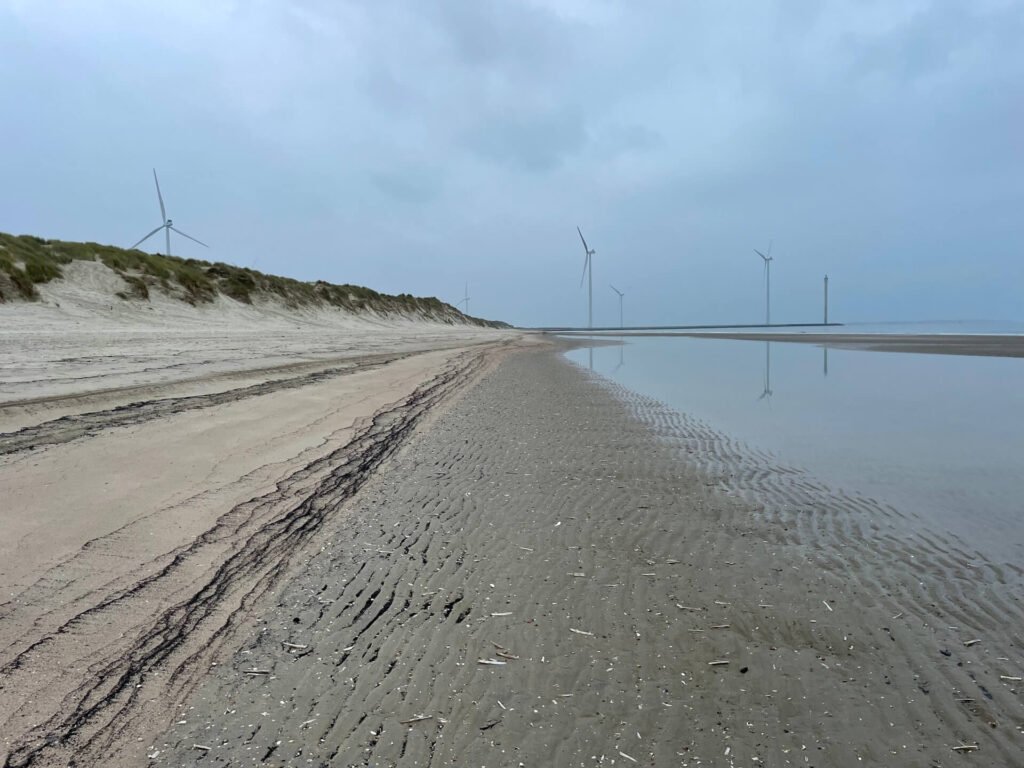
x=767, y=284
x=588, y=272
x=465, y=300
x=167, y=225
x=621, y=294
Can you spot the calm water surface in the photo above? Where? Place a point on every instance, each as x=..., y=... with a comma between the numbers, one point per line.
x=938, y=436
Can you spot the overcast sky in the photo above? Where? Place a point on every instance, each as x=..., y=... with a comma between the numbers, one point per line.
x=412, y=146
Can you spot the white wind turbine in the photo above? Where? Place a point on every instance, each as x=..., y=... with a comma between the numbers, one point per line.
x=621, y=294
x=588, y=272
x=465, y=300
x=767, y=284
x=167, y=225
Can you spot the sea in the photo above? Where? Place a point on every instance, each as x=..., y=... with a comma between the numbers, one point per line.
x=937, y=438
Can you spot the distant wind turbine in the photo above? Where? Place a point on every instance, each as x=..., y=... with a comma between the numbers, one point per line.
x=465, y=300
x=621, y=294
x=167, y=225
x=588, y=273
x=767, y=284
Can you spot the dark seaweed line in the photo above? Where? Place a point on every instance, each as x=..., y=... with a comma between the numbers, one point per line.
x=68, y=428
x=113, y=688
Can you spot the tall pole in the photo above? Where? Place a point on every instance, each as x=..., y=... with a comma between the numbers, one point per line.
x=826, y=299
x=590, y=291
x=768, y=292
x=621, y=325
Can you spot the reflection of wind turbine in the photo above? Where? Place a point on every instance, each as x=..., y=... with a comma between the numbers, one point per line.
x=622, y=360
x=621, y=294
x=588, y=272
x=826, y=361
x=465, y=300
x=167, y=225
x=767, y=284
x=767, y=371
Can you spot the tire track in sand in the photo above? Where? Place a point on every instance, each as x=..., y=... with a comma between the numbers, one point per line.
x=119, y=688
x=79, y=425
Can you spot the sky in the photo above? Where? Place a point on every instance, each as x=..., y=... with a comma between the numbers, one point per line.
x=418, y=146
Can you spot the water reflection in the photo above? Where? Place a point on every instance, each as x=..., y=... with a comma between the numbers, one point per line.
x=938, y=436
x=622, y=359
x=767, y=394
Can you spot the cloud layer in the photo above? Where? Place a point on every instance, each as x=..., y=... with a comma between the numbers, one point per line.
x=415, y=146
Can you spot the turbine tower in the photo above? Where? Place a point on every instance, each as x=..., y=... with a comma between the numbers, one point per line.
x=767, y=284
x=826, y=299
x=465, y=300
x=168, y=224
x=621, y=294
x=588, y=273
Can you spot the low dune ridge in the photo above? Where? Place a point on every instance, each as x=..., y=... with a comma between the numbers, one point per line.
x=103, y=283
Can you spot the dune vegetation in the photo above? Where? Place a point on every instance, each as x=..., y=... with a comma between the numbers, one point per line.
x=27, y=261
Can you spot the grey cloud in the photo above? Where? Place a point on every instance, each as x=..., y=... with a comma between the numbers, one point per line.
x=347, y=139
x=489, y=33
x=537, y=142
x=408, y=185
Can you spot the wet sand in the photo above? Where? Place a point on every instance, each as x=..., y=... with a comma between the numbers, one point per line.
x=513, y=563
x=557, y=573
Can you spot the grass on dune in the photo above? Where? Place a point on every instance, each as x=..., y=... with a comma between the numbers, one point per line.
x=26, y=261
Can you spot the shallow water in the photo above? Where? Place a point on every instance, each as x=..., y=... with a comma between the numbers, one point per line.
x=938, y=437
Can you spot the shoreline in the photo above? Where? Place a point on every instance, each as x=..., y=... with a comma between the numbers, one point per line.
x=540, y=578
x=977, y=345
x=600, y=554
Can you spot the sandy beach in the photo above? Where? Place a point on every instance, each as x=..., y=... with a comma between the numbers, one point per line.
x=505, y=561
x=153, y=460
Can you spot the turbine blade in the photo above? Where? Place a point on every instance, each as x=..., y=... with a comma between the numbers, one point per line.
x=586, y=261
x=761, y=255
x=585, y=246
x=163, y=213
x=147, y=237
x=770, y=244
x=175, y=229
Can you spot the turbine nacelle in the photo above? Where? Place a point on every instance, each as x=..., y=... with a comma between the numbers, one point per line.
x=168, y=224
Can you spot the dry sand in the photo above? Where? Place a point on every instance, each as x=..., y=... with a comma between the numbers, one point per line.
x=82, y=349
x=478, y=556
